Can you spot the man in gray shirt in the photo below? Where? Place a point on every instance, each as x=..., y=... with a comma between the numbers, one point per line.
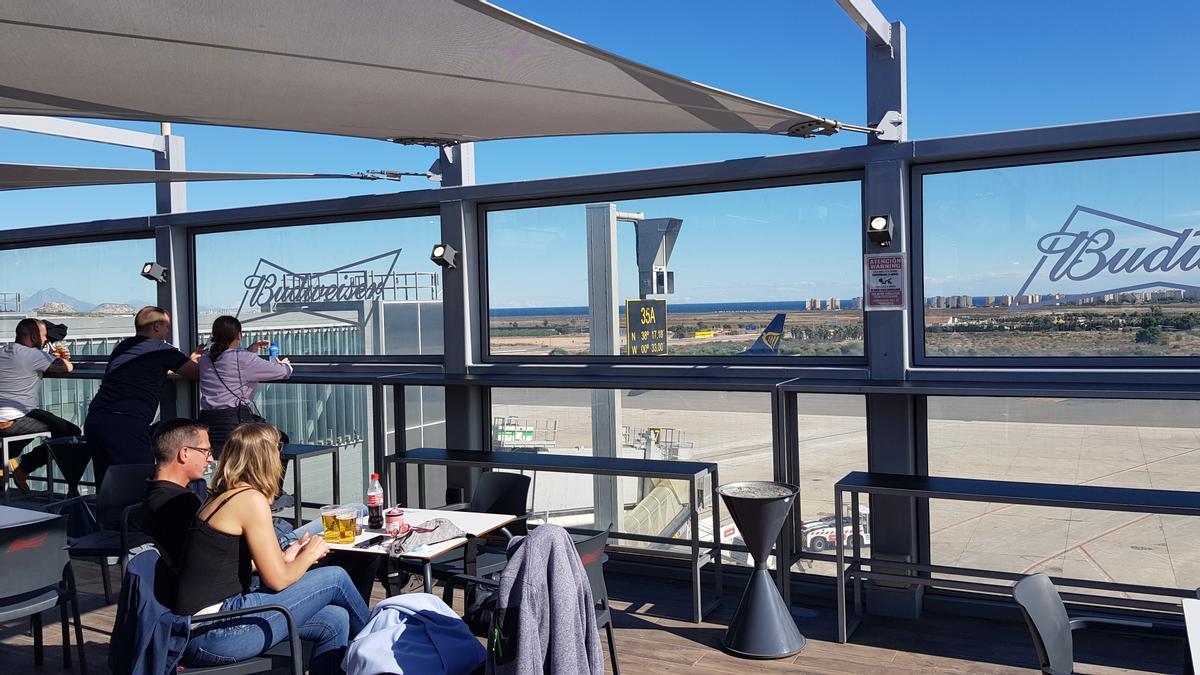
x=22, y=366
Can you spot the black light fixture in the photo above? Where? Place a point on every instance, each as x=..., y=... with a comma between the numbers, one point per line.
x=155, y=272
x=879, y=230
x=443, y=255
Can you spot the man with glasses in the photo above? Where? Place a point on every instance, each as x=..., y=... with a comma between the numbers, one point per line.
x=120, y=414
x=182, y=454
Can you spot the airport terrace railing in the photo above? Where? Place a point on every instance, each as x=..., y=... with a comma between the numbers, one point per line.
x=893, y=374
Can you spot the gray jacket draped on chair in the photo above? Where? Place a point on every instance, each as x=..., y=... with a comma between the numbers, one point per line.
x=545, y=592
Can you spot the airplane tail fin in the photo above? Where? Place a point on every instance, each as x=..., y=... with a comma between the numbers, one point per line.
x=769, y=341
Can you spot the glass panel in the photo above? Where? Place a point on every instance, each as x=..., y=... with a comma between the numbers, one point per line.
x=323, y=414
x=732, y=429
x=1125, y=443
x=424, y=427
x=336, y=289
x=740, y=260
x=1089, y=258
x=93, y=288
x=833, y=442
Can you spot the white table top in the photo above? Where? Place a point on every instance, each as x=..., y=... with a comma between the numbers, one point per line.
x=1191, y=617
x=474, y=524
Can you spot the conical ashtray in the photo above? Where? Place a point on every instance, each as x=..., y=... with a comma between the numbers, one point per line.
x=762, y=627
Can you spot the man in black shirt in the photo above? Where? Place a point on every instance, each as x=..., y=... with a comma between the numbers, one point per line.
x=117, y=426
x=182, y=453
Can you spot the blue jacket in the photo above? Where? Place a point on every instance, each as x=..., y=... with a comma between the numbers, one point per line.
x=147, y=638
x=414, y=633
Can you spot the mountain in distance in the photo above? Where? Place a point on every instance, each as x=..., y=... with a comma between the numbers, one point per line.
x=53, y=295
x=53, y=307
x=114, y=308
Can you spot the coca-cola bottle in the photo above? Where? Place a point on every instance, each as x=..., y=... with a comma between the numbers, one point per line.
x=375, y=504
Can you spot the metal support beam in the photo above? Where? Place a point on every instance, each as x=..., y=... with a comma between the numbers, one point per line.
x=170, y=197
x=467, y=413
x=84, y=131
x=867, y=16
x=456, y=164
x=171, y=251
x=887, y=88
x=604, y=340
x=892, y=420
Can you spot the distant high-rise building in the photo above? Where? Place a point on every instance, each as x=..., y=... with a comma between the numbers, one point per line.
x=1168, y=294
x=1004, y=300
x=834, y=304
x=965, y=301
x=813, y=304
x=857, y=302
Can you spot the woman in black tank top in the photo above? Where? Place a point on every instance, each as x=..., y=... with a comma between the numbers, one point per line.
x=232, y=531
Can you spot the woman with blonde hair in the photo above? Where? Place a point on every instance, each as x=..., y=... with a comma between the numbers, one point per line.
x=233, y=532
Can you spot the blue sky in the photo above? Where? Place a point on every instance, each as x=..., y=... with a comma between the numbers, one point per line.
x=973, y=67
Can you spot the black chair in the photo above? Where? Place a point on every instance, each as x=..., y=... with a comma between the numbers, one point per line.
x=35, y=575
x=118, y=511
x=1051, y=628
x=593, y=556
x=496, y=492
x=592, y=553
x=289, y=651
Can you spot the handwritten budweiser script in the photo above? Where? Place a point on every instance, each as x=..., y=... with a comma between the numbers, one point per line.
x=272, y=284
x=1096, y=252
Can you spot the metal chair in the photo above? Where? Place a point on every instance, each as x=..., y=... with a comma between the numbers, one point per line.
x=1051, y=628
x=35, y=575
x=25, y=440
x=593, y=556
x=496, y=492
x=290, y=650
x=118, y=504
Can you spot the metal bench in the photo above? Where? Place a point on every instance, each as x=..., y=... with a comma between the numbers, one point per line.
x=1134, y=500
x=691, y=472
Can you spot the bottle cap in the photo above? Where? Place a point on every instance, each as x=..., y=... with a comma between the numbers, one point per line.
x=374, y=476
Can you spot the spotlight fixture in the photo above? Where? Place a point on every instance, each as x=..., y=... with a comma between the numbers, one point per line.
x=443, y=255
x=155, y=272
x=879, y=230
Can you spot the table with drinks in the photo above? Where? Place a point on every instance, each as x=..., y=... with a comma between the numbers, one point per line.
x=344, y=532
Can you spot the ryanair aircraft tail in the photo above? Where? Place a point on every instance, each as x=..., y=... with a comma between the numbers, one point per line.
x=768, y=343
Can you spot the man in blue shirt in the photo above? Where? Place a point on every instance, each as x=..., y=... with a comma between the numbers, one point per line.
x=119, y=417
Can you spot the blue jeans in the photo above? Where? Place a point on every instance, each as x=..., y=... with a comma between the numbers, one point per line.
x=327, y=609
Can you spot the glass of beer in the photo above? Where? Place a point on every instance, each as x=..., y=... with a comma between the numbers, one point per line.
x=347, y=519
x=329, y=523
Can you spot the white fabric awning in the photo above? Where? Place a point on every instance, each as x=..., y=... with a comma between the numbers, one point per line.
x=436, y=71
x=26, y=176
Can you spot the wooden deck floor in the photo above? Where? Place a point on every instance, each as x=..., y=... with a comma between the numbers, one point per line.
x=648, y=643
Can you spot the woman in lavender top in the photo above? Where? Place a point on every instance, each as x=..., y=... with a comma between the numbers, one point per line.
x=229, y=375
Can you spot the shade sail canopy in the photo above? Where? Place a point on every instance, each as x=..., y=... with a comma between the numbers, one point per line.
x=25, y=176
x=438, y=71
